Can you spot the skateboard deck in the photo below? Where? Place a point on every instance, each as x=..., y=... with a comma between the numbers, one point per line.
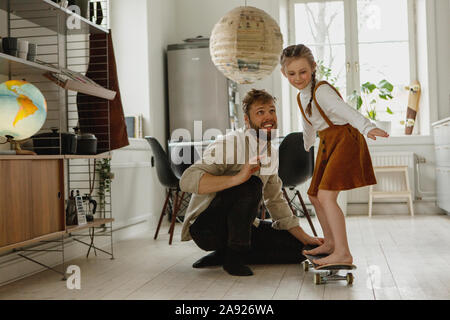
x=413, y=106
x=334, y=266
x=332, y=270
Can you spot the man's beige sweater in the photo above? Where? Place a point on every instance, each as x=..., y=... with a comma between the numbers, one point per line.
x=245, y=146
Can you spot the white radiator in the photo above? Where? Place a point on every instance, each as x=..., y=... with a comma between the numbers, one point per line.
x=386, y=181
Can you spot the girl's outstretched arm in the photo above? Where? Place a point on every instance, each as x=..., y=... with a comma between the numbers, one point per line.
x=377, y=132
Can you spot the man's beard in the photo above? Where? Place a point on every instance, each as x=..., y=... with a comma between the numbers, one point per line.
x=262, y=133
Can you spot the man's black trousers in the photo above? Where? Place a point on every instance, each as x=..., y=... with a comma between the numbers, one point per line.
x=228, y=223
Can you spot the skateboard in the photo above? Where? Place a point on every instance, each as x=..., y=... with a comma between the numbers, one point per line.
x=413, y=106
x=331, y=270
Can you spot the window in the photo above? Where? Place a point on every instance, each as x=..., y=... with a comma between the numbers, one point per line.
x=358, y=42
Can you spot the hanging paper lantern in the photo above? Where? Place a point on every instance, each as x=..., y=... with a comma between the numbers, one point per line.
x=246, y=44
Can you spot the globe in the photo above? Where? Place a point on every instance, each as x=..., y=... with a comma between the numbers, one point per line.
x=23, y=109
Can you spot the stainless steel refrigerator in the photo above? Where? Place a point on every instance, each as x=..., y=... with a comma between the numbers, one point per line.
x=197, y=90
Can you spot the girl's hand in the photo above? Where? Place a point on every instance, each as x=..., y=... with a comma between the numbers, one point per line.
x=377, y=132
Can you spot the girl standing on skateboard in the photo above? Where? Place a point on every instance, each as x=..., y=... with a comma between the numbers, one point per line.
x=343, y=159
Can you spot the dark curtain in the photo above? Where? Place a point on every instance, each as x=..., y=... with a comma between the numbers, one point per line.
x=106, y=122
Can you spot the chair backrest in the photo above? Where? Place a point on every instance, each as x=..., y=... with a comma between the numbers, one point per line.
x=186, y=156
x=163, y=169
x=295, y=165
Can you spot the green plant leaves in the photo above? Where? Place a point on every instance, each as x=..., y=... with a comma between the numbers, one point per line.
x=372, y=114
x=103, y=169
x=385, y=88
x=385, y=85
x=356, y=99
x=368, y=87
x=324, y=73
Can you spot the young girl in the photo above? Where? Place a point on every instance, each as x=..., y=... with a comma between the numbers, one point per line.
x=343, y=160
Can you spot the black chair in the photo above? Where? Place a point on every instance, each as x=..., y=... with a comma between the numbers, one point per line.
x=295, y=167
x=168, y=180
x=186, y=155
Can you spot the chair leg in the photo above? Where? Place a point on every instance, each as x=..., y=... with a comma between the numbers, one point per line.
x=178, y=200
x=178, y=206
x=411, y=206
x=163, y=212
x=306, y=213
x=289, y=203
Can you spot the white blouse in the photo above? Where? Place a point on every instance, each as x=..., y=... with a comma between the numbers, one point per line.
x=336, y=109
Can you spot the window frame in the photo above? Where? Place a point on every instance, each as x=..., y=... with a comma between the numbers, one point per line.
x=352, y=50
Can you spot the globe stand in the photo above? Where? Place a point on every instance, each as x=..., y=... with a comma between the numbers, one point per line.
x=15, y=145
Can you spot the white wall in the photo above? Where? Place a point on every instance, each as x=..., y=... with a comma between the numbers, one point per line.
x=128, y=21
x=162, y=24
x=198, y=17
x=141, y=31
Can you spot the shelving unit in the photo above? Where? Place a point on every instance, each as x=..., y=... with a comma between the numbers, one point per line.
x=19, y=62
x=66, y=13
x=45, y=23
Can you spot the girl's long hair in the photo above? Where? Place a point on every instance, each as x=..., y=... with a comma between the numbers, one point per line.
x=298, y=51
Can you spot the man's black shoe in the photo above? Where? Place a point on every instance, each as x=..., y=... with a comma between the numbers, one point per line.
x=238, y=270
x=234, y=264
x=213, y=259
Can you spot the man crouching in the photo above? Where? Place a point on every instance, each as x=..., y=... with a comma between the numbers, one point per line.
x=236, y=173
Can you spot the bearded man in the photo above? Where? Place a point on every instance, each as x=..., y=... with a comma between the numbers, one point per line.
x=236, y=173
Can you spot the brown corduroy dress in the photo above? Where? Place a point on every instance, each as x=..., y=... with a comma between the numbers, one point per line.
x=343, y=160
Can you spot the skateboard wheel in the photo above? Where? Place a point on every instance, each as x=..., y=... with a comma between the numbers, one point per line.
x=350, y=278
x=305, y=266
x=317, y=279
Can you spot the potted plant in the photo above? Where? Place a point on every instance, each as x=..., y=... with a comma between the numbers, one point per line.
x=103, y=168
x=368, y=101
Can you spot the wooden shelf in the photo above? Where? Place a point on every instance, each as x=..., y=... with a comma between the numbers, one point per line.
x=69, y=229
x=30, y=157
x=32, y=241
x=105, y=155
x=23, y=10
x=95, y=223
x=12, y=60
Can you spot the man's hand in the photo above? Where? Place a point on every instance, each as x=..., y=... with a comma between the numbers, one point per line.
x=305, y=238
x=377, y=132
x=248, y=169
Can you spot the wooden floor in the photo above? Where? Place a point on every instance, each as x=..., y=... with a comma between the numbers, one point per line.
x=398, y=257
